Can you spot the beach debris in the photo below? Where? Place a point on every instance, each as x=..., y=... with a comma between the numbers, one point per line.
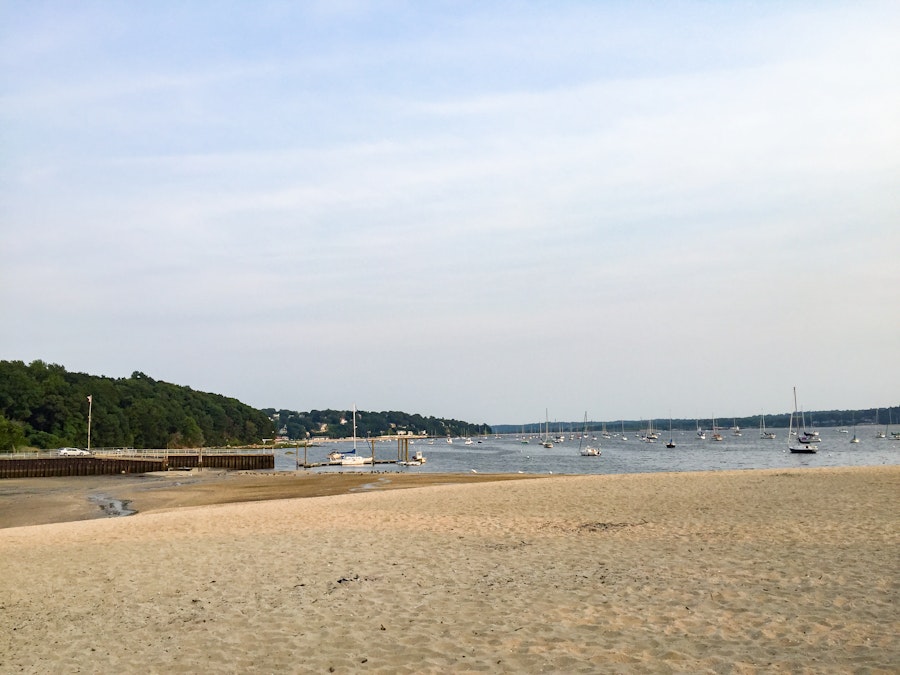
x=599, y=527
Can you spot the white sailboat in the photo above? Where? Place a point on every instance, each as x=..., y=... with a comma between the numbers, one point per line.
x=879, y=434
x=802, y=446
x=588, y=450
x=350, y=458
x=762, y=429
x=546, y=442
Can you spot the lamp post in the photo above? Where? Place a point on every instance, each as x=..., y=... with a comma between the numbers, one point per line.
x=90, y=399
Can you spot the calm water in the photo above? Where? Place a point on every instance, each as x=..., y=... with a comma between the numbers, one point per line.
x=509, y=455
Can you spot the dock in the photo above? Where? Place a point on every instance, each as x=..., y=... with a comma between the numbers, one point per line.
x=110, y=462
x=371, y=461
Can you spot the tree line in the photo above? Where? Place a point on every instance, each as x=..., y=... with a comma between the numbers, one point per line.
x=821, y=418
x=44, y=406
x=296, y=425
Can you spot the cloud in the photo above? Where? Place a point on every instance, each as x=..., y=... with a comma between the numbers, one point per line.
x=502, y=197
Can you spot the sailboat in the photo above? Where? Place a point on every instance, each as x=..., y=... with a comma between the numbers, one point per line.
x=624, y=437
x=879, y=434
x=587, y=451
x=649, y=436
x=715, y=428
x=887, y=427
x=547, y=443
x=700, y=433
x=762, y=429
x=804, y=447
x=855, y=438
x=671, y=443
x=350, y=458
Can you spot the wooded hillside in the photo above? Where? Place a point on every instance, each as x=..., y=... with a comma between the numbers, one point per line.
x=44, y=406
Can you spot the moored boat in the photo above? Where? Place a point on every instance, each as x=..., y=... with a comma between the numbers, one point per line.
x=803, y=446
x=587, y=450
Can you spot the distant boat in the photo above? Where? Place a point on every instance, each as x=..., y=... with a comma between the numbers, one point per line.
x=587, y=451
x=416, y=460
x=671, y=443
x=716, y=436
x=804, y=446
x=700, y=433
x=879, y=434
x=855, y=438
x=762, y=429
x=546, y=442
x=354, y=460
x=350, y=458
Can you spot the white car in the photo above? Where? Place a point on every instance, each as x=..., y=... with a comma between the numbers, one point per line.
x=72, y=452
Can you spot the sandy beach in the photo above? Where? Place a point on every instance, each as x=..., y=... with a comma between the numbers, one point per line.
x=738, y=572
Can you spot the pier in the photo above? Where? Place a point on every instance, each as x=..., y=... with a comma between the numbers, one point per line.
x=403, y=458
x=125, y=461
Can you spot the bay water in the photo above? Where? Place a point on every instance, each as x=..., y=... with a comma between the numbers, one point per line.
x=508, y=454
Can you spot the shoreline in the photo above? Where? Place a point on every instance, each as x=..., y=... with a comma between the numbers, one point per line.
x=41, y=501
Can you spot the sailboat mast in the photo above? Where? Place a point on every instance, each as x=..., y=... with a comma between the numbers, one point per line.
x=791, y=423
x=354, y=427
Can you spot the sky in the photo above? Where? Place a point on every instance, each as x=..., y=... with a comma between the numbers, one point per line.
x=487, y=211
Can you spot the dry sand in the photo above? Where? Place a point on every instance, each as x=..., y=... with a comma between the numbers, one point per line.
x=733, y=572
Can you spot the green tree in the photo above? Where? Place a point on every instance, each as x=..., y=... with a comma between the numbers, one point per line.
x=12, y=435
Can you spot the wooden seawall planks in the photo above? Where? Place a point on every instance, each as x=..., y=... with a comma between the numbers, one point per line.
x=42, y=467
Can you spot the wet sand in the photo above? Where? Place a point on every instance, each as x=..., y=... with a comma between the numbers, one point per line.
x=38, y=501
x=740, y=572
